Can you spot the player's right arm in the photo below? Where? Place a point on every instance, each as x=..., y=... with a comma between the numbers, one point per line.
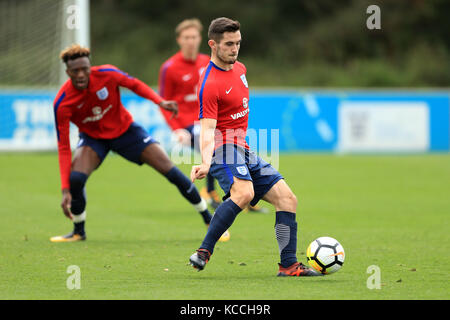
x=207, y=132
x=166, y=85
x=167, y=90
x=208, y=99
x=62, y=125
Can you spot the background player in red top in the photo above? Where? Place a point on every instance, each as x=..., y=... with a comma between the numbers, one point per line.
x=244, y=177
x=178, y=81
x=91, y=100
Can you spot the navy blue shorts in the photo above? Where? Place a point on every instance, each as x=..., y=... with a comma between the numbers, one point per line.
x=194, y=130
x=129, y=145
x=233, y=161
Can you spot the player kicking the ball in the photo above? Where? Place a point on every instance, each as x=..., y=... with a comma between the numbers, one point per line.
x=178, y=81
x=91, y=100
x=245, y=178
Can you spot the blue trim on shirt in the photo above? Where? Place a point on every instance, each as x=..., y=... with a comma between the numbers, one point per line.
x=55, y=110
x=215, y=66
x=163, y=78
x=207, y=71
x=115, y=70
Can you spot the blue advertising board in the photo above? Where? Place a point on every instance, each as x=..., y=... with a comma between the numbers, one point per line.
x=317, y=121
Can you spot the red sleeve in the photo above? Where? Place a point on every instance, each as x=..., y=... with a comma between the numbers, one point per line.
x=62, y=125
x=135, y=85
x=208, y=99
x=166, y=87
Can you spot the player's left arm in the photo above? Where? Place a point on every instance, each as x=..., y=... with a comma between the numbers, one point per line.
x=143, y=90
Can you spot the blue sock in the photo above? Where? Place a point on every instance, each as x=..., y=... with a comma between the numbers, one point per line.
x=184, y=185
x=224, y=217
x=189, y=192
x=286, y=233
x=78, y=205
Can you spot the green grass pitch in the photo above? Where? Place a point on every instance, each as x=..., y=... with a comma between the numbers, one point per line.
x=388, y=211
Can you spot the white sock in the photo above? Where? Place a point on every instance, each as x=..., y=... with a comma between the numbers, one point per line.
x=201, y=206
x=79, y=217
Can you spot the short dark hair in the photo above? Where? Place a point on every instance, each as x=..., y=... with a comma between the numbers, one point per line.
x=73, y=52
x=221, y=25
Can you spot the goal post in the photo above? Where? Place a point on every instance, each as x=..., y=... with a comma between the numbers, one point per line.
x=75, y=27
x=32, y=33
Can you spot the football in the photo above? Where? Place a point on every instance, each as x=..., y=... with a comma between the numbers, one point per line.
x=325, y=255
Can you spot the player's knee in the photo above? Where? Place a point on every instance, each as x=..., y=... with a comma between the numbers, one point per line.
x=292, y=200
x=77, y=182
x=243, y=196
x=287, y=202
x=249, y=195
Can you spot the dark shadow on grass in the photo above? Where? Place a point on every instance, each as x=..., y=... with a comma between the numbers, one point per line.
x=326, y=280
x=137, y=241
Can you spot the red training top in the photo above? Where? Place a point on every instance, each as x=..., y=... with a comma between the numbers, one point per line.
x=97, y=111
x=178, y=80
x=224, y=96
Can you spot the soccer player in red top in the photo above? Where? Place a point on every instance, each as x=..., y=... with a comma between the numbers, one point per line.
x=178, y=79
x=244, y=176
x=91, y=100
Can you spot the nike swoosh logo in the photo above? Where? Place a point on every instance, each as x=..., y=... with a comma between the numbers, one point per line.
x=187, y=77
x=337, y=254
x=228, y=91
x=147, y=139
x=191, y=188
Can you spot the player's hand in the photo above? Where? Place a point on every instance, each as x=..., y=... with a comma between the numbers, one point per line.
x=171, y=106
x=66, y=202
x=199, y=172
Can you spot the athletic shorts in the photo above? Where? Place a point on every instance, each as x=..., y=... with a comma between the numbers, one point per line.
x=129, y=145
x=233, y=161
x=194, y=130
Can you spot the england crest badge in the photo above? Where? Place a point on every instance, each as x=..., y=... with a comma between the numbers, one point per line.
x=242, y=170
x=244, y=80
x=103, y=93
